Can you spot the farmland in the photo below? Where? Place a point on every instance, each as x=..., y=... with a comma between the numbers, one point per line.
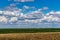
x=31, y=36
x=29, y=33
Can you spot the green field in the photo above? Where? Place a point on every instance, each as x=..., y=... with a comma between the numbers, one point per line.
x=29, y=30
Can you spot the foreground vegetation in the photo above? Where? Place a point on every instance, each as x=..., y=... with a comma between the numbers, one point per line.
x=31, y=36
x=29, y=30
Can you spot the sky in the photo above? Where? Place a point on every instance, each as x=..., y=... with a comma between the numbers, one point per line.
x=51, y=4
x=29, y=14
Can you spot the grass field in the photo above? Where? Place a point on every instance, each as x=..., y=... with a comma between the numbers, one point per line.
x=31, y=36
x=29, y=30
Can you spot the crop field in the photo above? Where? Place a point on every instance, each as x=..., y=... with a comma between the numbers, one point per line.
x=31, y=36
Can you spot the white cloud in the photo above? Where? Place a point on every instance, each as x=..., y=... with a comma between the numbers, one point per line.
x=32, y=21
x=51, y=12
x=12, y=11
x=12, y=7
x=26, y=7
x=45, y=8
x=13, y=19
x=58, y=12
x=3, y=19
x=13, y=4
x=40, y=9
x=9, y=13
x=15, y=13
x=23, y=0
x=9, y=0
x=1, y=12
x=52, y=17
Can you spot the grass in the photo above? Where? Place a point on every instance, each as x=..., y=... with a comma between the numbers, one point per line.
x=31, y=36
x=29, y=30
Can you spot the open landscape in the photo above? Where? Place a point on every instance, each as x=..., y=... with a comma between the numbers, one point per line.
x=29, y=20
x=30, y=34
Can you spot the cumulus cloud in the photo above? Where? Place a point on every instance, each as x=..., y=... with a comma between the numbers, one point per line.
x=35, y=16
x=58, y=12
x=26, y=7
x=9, y=0
x=32, y=21
x=23, y=0
x=13, y=19
x=52, y=17
x=13, y=4
x=12, y=11
x=1, y=12
x=51, y=12
x=3, y=19
x=9, y=13
x=45, y=8
x=12, y=7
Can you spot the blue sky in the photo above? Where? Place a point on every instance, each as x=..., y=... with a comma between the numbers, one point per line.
x=51, y=4
x=12, y=18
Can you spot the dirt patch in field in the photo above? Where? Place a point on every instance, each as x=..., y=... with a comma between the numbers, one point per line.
x=31, y=36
